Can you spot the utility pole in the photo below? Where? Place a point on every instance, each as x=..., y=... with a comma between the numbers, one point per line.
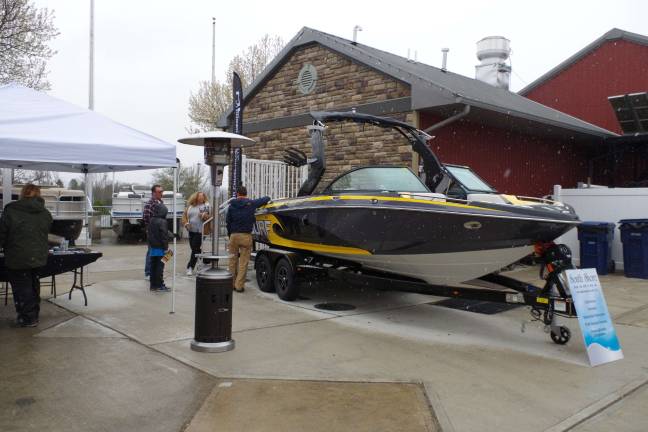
x=213, y=77
x=91, y=81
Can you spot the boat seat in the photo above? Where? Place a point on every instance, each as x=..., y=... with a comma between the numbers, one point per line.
x=432, y=196
x=487, y=198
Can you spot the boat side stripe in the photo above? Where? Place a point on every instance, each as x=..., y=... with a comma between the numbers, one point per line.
x=277, y=240
x=371, y=198
x=485, y=215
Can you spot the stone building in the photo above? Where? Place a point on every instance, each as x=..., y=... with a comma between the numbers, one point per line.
x=516, y=144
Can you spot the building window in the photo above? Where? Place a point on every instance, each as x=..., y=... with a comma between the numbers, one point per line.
x=307, y=79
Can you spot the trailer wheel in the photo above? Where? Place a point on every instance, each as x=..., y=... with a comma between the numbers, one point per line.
x=284, y=281
x=264, y=276
x=563, y=337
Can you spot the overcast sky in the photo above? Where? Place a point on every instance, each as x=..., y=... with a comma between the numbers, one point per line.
x=150, y=55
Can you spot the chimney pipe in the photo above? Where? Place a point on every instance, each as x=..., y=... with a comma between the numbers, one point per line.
x=356, y=29
x=444, y=62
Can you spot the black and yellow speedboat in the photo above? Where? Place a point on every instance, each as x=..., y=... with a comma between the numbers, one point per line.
x=448, y=229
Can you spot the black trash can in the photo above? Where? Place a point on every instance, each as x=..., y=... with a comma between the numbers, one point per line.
x=213, y=326
x=634, y=236
x=596, y=246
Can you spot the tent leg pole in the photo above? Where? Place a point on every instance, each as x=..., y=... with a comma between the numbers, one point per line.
x=175, y=232
x=87, y=217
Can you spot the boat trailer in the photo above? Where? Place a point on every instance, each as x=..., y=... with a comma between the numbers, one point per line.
x=283, y=270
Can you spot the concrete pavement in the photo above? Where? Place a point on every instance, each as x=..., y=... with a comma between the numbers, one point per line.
x=476, y=372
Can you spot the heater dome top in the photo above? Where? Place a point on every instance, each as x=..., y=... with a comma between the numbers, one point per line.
x=201, y=138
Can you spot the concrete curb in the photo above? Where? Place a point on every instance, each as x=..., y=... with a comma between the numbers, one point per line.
x=437, y=409
x=598, y=406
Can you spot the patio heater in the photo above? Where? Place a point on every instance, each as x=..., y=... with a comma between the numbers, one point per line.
x=213, y=316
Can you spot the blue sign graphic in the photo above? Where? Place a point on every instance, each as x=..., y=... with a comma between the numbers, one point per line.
x=596, y=325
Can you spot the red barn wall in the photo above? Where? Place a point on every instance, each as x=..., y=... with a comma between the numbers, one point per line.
x=511, y=162
x=581, y=90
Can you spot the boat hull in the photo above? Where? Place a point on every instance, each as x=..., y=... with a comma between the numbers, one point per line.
x=441, y=268
x=435, y=241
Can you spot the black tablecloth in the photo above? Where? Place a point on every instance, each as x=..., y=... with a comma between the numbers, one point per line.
x=59, y=262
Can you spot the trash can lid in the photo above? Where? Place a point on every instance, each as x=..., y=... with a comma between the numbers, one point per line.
x=633, y=223
x=596, y=226
x=595, y=223
x=214, y=273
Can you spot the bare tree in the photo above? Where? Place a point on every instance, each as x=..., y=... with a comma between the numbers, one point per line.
x=102, y=190
x=24, y=33
x=191, y=179
x=254, y=59
x=211, y=100
x=76, y=184
x=38, y=177
x=208, y=104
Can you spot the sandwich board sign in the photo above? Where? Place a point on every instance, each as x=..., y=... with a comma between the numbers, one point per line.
x=596, y=325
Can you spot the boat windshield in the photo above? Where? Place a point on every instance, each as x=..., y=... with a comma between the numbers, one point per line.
x=387, y=179
x=469, y=179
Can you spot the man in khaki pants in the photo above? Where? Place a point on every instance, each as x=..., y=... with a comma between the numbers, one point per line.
x=240, y=220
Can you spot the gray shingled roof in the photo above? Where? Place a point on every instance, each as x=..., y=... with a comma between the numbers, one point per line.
x=612, y=35
x=431, y=87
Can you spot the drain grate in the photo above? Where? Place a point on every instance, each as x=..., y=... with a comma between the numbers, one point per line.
x=476, y=306
x=335, y=306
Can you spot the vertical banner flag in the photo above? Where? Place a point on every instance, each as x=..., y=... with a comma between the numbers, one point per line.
x=599, y=335
x=237, y=154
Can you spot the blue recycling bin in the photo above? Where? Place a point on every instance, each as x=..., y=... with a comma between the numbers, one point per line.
x=596, y=246
x=634, y=236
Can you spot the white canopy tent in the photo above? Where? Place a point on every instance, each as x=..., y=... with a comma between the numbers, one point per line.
x=40, y=132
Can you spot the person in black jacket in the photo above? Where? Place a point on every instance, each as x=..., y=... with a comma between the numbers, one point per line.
x=23, y=235
x=240, y=219
x=158, y=236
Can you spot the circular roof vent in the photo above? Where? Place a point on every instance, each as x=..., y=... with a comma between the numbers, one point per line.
x=307, y=79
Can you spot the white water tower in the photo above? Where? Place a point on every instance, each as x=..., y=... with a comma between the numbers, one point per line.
x=493, y=51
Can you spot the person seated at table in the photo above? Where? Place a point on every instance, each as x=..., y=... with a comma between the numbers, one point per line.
x=158, y=236
x=23, y=236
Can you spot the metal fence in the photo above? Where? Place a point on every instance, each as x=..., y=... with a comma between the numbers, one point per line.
x=275, y=179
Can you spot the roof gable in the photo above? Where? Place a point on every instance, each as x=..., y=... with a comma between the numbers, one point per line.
x=612, y=35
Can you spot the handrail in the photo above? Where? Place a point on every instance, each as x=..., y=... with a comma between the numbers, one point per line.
x=202, y=229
